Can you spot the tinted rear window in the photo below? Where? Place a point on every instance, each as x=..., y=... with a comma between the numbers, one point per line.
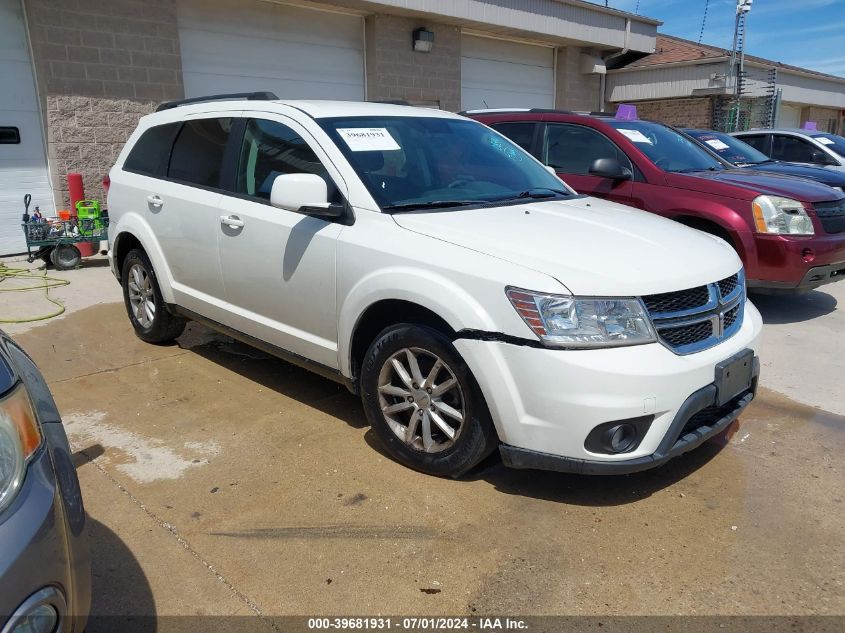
x=151, y=152
x=197, y=156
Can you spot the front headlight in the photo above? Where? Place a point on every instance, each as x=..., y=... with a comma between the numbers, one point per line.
x=773, y=214
x=20, y=437
x=561, y=321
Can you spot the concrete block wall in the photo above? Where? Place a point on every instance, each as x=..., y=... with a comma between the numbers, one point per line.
x=692, y=112
x=396, y=71
x=827, y=119
x=100, y=65
x=573, y=89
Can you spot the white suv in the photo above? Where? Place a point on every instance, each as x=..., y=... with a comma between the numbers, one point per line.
x=470, y=297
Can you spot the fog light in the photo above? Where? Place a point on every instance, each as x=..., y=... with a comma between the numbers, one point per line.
x=42, y=619
x=620, y=438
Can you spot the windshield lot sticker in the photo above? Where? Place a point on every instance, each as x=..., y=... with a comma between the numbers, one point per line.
x=636, y=136
x=368, y=139
x=717, y=144
x=824, y=141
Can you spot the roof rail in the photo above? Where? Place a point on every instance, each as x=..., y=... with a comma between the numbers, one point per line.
x=512, y=110
x=392, y=102
x=249, y=96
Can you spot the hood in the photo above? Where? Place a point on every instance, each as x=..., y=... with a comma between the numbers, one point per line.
x=827, y=177
x=591, y=246
x=747, y=184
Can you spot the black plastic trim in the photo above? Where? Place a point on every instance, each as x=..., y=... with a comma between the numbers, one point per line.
x=286, y=355
x=249, y=96
x=672, y=445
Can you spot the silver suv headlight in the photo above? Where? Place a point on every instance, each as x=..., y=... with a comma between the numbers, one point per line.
x=570, y=322
x=773, y=214
x=20, y=437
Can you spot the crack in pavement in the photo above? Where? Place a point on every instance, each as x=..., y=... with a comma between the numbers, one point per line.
x=168, y=527
x=113, y=369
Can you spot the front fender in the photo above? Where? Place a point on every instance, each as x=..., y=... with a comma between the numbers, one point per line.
x=426, y=288
x=134, y=224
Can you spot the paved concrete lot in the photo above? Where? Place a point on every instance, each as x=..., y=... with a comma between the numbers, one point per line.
x=222, y=481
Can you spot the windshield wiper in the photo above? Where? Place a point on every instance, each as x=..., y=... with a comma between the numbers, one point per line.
x=538, y=193
x=434, y=204
x=692, y=169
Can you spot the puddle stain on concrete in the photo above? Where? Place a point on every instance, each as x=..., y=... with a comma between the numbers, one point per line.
x=336, y=532
x=143, y=459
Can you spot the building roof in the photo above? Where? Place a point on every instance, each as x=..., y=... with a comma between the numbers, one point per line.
x=670, y=49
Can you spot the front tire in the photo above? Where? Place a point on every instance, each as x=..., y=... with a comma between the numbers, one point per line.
x=144, y=303
x=423, y=402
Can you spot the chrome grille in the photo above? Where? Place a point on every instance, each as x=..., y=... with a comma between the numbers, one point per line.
x=687, y=334
x=692, y=320
x=677, y=301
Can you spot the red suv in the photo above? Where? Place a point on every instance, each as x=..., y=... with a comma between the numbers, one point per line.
x=789, y=232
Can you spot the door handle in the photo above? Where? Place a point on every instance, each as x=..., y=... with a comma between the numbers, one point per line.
x=155, y=201
x=232, y=221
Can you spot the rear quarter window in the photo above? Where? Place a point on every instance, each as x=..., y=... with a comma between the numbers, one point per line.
x=151, y=153
x=197, y=156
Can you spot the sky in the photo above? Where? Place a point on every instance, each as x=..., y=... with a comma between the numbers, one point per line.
x=806, y=33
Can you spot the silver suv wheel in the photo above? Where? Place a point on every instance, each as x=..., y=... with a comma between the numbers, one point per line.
x=141, y=295
x=421, y=400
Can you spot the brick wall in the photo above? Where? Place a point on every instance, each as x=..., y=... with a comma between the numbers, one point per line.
x=695, y=112
x=100, y=65
x=573, y=89
x=396, y=71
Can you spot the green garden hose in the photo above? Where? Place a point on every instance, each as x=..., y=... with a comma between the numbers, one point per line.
x=45, y=284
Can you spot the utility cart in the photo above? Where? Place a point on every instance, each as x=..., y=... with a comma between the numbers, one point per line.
x=55, y=240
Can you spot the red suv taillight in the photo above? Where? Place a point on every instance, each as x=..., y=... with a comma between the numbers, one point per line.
x=106, y=183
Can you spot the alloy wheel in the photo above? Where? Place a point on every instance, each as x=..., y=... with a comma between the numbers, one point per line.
x=421, y=400
x=141, y=295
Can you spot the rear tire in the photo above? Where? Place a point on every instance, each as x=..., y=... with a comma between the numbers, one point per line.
x=423, y=402
x=65, y=257
x=145, y=306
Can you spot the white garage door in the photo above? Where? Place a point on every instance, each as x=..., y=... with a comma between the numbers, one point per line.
x=503, y=74
x=789, y=116
x=245, y=46
x=23, y=165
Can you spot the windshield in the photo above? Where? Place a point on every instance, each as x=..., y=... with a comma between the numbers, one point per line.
x=410, y=163
x=833, y=142
x=729, y=147
x=666, y=148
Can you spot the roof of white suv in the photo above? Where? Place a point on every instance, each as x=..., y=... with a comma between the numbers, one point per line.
x=314, y=109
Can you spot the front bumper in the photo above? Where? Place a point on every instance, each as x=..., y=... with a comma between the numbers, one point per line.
x=676, y=441
x=44, y=541
x=797, y=264
x=547, y=401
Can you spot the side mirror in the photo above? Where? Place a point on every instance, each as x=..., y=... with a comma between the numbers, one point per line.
x=304, y=193
x=551, y=170
x=610, y=168
x=820, y=158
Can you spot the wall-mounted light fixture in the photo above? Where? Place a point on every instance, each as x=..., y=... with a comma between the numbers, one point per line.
x=423, y=40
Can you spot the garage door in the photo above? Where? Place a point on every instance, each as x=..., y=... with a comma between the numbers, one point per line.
x=503, y=74
x=23, y=164
x=789, y=116
x=298, y=53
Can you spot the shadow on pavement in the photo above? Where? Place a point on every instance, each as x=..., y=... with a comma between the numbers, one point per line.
x=280, y=376
x=121, y=597
x=333, y=399
x=783, y=309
